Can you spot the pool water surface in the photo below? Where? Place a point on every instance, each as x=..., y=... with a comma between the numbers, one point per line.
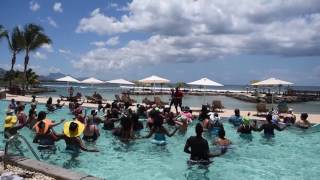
x=291, y=154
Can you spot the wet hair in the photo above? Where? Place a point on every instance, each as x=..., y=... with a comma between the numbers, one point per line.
x=199, y=129
x=158, y=121
x=41, y=115
x=41, y=125
x=304, y=116
x=221, y=133
x=93, y=112
x=21, y=108
x=73, y=126
x=269, y=117
x=237, y=112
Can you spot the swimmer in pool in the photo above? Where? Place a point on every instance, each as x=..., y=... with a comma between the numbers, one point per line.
x=269, y=127
x=91, y=131
x=45, y=135
x=215, y=124
x=222, y=141
x=159, y=131
x=245, y=127
x=303, y=123
x=199, y=147
x=236, y=119
x=71, y=135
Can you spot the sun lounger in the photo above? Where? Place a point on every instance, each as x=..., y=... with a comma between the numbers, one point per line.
x=147, y=101
x=159, y=102
x=217, y=106
x=262, y=109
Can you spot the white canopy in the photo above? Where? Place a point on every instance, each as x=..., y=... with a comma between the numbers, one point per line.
x=205, y=82
x=120, y=81
x=154, y=79
x=92, y=80
x=68, y=79
x=271, y=82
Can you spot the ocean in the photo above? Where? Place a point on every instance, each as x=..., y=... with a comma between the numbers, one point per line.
x=109, y=90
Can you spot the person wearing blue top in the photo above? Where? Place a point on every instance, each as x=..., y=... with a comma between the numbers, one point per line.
x=236, y=120
x=159, y=131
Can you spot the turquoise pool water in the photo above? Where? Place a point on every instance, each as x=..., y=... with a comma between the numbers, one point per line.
x=292, y=154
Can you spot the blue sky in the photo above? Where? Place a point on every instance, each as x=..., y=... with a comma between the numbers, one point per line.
x=231, y=42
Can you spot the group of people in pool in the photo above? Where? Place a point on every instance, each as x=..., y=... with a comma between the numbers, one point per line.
x=124, y=123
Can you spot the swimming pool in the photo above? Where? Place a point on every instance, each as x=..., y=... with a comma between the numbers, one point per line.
x=290, y=155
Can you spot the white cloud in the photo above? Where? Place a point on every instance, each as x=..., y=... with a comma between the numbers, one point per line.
x=98, y=43
x=113, y=41
x=110, y=42
x=64, y=51
x=34, y=6
x=57, y=7
x=47, y=47
x=39, y=55
x=95, y=12
x=54, y=69
x=188, y=31
x=52, y=22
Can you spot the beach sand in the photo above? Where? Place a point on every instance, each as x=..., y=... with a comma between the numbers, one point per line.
x=313, y=118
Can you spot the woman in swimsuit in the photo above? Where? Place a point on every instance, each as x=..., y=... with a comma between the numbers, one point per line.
x=91, y=131
x=159, y=131
x=222, y=141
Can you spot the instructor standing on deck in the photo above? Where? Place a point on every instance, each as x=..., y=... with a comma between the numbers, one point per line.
x=178, y=95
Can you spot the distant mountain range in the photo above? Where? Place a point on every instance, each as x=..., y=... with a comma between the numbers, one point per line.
x=51, y=76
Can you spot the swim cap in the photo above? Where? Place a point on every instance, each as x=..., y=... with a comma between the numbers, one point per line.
x=246, y=120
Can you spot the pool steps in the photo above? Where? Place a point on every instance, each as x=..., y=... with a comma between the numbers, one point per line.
x=46, y=169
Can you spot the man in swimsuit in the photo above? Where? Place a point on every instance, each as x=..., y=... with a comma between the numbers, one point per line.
x=269, y=127
x=236, y=120
x=199, y=146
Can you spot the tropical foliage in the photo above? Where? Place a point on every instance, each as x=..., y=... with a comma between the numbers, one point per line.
x=28, y=39
x=17, y=77
x=34, y=38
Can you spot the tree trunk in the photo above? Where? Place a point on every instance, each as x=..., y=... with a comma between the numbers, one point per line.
x=26, y=62
x=13, y=62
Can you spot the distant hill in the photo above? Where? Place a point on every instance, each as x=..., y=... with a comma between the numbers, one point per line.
x=51, y=76
x=2, y=73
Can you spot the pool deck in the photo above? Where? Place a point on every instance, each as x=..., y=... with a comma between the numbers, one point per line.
x=313, y=118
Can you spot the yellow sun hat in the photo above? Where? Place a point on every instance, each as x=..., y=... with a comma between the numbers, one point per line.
x=79, y=128
x=10, y=121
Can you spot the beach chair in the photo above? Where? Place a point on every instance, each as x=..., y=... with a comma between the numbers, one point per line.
x=159, y=102
x=217, y=106
x=91, y=99
x=262, y=109
x=118, y=99
x=147, y=101
x=282, y=107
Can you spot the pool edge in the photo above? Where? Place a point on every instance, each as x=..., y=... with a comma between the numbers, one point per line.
x=46, y=169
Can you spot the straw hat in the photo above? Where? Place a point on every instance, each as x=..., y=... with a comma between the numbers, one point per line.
x=10, y=121
x=77, y=132
x=47, y=124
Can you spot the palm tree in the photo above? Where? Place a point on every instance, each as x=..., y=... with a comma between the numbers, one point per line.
x=15, y=42
x=34, y=38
